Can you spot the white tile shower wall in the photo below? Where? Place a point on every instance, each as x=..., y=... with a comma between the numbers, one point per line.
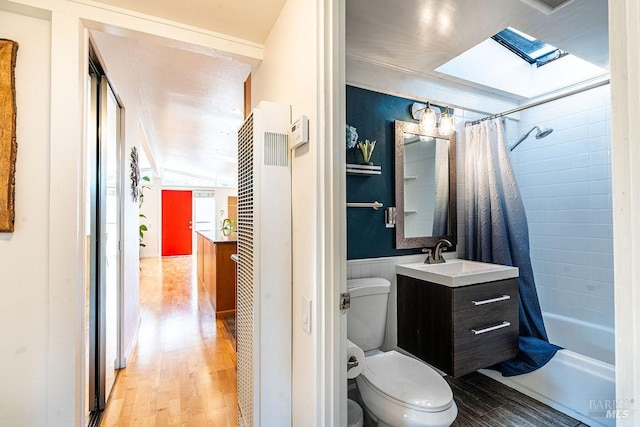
x=565, y=181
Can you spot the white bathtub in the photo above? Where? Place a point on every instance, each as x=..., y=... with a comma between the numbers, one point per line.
x=574, y=381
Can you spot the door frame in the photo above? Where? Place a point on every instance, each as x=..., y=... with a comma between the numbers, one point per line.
x=332, y=405
x=100, y=90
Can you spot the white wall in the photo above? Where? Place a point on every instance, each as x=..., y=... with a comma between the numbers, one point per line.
x=24, y=254
x=43, y=262
x=624, y=42
x=288, y=75
x=151, y=209
x=565, y=182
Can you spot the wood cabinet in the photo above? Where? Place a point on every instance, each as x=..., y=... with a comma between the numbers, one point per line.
x=216, y=273
x=458, y=329
x=232, y=208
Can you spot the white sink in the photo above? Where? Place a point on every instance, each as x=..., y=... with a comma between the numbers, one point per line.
x=457, y=272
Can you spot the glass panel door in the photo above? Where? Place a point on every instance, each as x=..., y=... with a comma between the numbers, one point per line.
x=109, y=231
x=91, y=216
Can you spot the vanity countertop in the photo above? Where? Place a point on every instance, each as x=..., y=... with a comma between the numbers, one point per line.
x=457, y=272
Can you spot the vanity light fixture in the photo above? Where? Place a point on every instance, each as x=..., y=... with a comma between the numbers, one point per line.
x=446, y=123
x=428, y=119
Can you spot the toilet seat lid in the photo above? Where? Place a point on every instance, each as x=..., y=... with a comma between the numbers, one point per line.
x=408, y=381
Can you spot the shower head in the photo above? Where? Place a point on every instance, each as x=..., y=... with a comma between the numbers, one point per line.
x=539, y=135
x=543, y=132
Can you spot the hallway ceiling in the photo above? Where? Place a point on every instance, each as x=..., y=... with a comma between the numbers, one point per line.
x=421, y=35
x=191, y=105
x=192, y=98
x=246, y=19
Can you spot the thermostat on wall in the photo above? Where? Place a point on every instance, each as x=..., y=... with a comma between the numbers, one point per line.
x=299, y=132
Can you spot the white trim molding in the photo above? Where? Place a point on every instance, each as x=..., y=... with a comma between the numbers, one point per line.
x=624, y=48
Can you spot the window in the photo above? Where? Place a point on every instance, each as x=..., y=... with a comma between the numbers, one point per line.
x=528, y=48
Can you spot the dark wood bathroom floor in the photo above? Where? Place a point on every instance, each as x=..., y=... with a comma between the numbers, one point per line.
x=484, y=402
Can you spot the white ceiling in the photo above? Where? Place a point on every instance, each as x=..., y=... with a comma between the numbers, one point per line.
x=246, y=19
x=422, y=35
x=192, y=103
x=188, y=95
x=192, y=98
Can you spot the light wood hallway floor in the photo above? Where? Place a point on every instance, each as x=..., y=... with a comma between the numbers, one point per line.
x=183, y=370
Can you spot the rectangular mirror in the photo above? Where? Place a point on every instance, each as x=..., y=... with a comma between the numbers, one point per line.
x=425, y=170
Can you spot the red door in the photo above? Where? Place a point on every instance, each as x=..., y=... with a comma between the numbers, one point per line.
x=176, y=223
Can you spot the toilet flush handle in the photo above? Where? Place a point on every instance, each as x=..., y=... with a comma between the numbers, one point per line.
x=352, y=363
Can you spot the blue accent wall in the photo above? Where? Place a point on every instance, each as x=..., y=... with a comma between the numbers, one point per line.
x=373, y=115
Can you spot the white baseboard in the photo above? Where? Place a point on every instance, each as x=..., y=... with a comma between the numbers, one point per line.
x=132, y=344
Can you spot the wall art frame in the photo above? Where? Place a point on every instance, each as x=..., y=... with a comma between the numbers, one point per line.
x=8, y=143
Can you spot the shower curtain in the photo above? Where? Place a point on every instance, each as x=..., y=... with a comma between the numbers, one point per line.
x=496, y=231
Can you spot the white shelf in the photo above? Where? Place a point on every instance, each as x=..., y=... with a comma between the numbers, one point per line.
x=355, y=169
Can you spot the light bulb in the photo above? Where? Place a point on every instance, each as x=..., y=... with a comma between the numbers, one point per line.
x=428, y=120
x=446, y=123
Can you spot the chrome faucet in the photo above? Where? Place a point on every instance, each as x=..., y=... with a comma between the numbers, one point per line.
x=435, y=256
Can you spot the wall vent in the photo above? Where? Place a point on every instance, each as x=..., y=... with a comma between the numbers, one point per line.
x=276, y=152
x=244, y=309
x=263, y=309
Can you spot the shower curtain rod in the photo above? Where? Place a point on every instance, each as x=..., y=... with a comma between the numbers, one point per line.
x=543, y=101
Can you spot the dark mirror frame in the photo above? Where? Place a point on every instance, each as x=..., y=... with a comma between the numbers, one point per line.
x=427, y=241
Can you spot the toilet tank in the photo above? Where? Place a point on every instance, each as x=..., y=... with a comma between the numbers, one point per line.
x=367, y=316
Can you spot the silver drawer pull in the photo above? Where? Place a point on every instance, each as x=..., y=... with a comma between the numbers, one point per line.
x=491, y=328
x=489, y=301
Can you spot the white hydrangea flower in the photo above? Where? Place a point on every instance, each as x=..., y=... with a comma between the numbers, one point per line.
x=352, y=137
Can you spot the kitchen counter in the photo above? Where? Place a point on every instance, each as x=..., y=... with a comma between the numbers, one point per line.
x=211, y=236
x=216, y=271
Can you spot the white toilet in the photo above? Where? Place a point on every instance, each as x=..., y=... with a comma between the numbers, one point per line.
x=397, y=390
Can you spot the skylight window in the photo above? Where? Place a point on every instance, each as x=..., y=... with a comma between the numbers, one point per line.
x=511, y=74
x=530, y=49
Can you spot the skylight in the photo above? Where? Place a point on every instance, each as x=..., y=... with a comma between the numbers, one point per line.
x=491, y=65
x=530, y=49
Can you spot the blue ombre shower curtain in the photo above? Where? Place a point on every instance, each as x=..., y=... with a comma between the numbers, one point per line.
x=496, y=231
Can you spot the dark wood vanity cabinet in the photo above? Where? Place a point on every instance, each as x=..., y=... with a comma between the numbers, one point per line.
x=458, y=329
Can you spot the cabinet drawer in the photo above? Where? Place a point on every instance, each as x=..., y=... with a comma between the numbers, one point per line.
x=485, y=325
x=486, y=296
x=473, y=351
x=503, y=307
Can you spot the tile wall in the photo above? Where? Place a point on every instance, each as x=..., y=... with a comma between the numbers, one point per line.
x=565, y=181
